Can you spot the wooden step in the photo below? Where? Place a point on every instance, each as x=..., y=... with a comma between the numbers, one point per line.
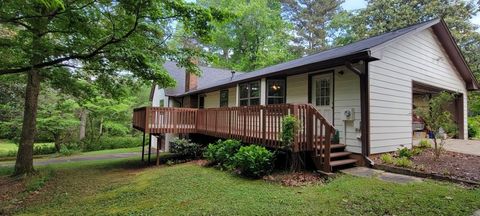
x=342, y=162
x=338, y=154
x=335, y=146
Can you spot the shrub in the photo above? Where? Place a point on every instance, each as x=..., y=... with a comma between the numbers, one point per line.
x=185, y=147
x=290, y=125
x=405, y=152
x=65, y=151
x=222, y=152
x=387, y=158
x=113, y=143
x=403, y=162
x=416, y=151
x=44, y=149
x=424, y=143
x=473, y=127
x=253, y=161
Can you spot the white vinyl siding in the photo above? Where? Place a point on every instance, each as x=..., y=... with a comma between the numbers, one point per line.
x=417, y=57
x=346, y=95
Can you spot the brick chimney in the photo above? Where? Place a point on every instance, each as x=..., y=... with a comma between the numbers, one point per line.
x=191, y=80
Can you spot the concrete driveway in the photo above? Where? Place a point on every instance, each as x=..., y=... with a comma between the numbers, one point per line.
x=463, y=146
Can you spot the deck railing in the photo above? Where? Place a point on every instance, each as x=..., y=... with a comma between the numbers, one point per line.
x=251, y=124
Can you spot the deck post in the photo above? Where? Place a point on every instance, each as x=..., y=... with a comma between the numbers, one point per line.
x=149, y=147
x=143, y=147
x=158, y=150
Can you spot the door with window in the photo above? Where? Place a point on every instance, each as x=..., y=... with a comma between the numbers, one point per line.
x=322, y=95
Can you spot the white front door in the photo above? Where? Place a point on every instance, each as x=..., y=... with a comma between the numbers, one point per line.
x=322, y=95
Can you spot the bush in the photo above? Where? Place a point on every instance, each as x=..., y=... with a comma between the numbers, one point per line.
x=253, y=161
x=113, y=143
x=44, y=149
x=222, y=152
x=290, y=125
x=405, y=152
x=473, y=127
x=185, y=147
x=403, y=162
x=387, y=158
x=424, y=143
x=65, y=151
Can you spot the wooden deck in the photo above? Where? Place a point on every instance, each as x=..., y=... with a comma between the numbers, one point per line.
x=251, y=124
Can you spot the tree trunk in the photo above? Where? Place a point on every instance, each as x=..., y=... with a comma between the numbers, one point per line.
x=24, y=162
x=83, y=124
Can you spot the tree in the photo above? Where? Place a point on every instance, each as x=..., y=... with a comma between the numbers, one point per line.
x=49, y=39
x=56, y=117
x=255, y=36
x=311, y=19
x=438, y=119
x=382, y=16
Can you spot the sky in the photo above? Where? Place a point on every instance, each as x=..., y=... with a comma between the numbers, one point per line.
x=357, y=4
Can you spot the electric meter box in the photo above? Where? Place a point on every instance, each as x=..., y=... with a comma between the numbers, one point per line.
x=348, y=114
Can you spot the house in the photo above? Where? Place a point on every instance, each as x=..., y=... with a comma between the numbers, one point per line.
x=364, y=92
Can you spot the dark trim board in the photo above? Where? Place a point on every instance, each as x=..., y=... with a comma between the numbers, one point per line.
x=365, y=110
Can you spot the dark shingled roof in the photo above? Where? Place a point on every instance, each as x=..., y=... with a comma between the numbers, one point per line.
x=209, y=76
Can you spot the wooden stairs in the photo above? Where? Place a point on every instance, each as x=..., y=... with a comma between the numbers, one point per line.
x=339, y=158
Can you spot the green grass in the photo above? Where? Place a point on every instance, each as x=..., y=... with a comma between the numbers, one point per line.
x=114, y=151
x=7, y=146
x=123, y=186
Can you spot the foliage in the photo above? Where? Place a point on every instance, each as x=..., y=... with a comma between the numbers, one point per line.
x=290, y=125
x=474, y=127
x=255, y=36
x=382, y=16
x=405, y=152
x=65, y=151
x=438, y=118
x=387, y=158
x=336, y=137
x=71, y=45
x=311, y=20
x=113, y=143
x=56, y=118
x=403, y=162
x=222, y=152
x=43, y=149
x=185, y=147
x=253, y=161
x=424, y=143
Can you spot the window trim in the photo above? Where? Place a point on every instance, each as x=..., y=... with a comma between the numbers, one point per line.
x=249, y=98
x=284, y=97
x=220, y=98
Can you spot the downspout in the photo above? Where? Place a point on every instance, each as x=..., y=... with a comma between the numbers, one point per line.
x=364, y=106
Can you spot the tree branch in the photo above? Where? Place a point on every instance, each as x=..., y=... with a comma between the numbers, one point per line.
x=84, y=56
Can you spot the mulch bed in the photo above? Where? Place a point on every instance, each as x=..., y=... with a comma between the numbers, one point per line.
x=295, y=178
x=450, y=164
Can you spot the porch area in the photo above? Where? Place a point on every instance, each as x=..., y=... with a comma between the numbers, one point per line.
x=251, y=124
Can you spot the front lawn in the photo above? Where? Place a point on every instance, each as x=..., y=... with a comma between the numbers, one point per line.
x=9, y=148
x=123, y=186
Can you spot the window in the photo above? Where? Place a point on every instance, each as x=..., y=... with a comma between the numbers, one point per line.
x=201, y=101
x=322, y=92
x=250, y=93
x=275, y=91
x=224, y=98
x=162, y=103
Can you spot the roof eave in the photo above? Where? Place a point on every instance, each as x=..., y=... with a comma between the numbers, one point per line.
x=355, y=57
x=446, y=39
